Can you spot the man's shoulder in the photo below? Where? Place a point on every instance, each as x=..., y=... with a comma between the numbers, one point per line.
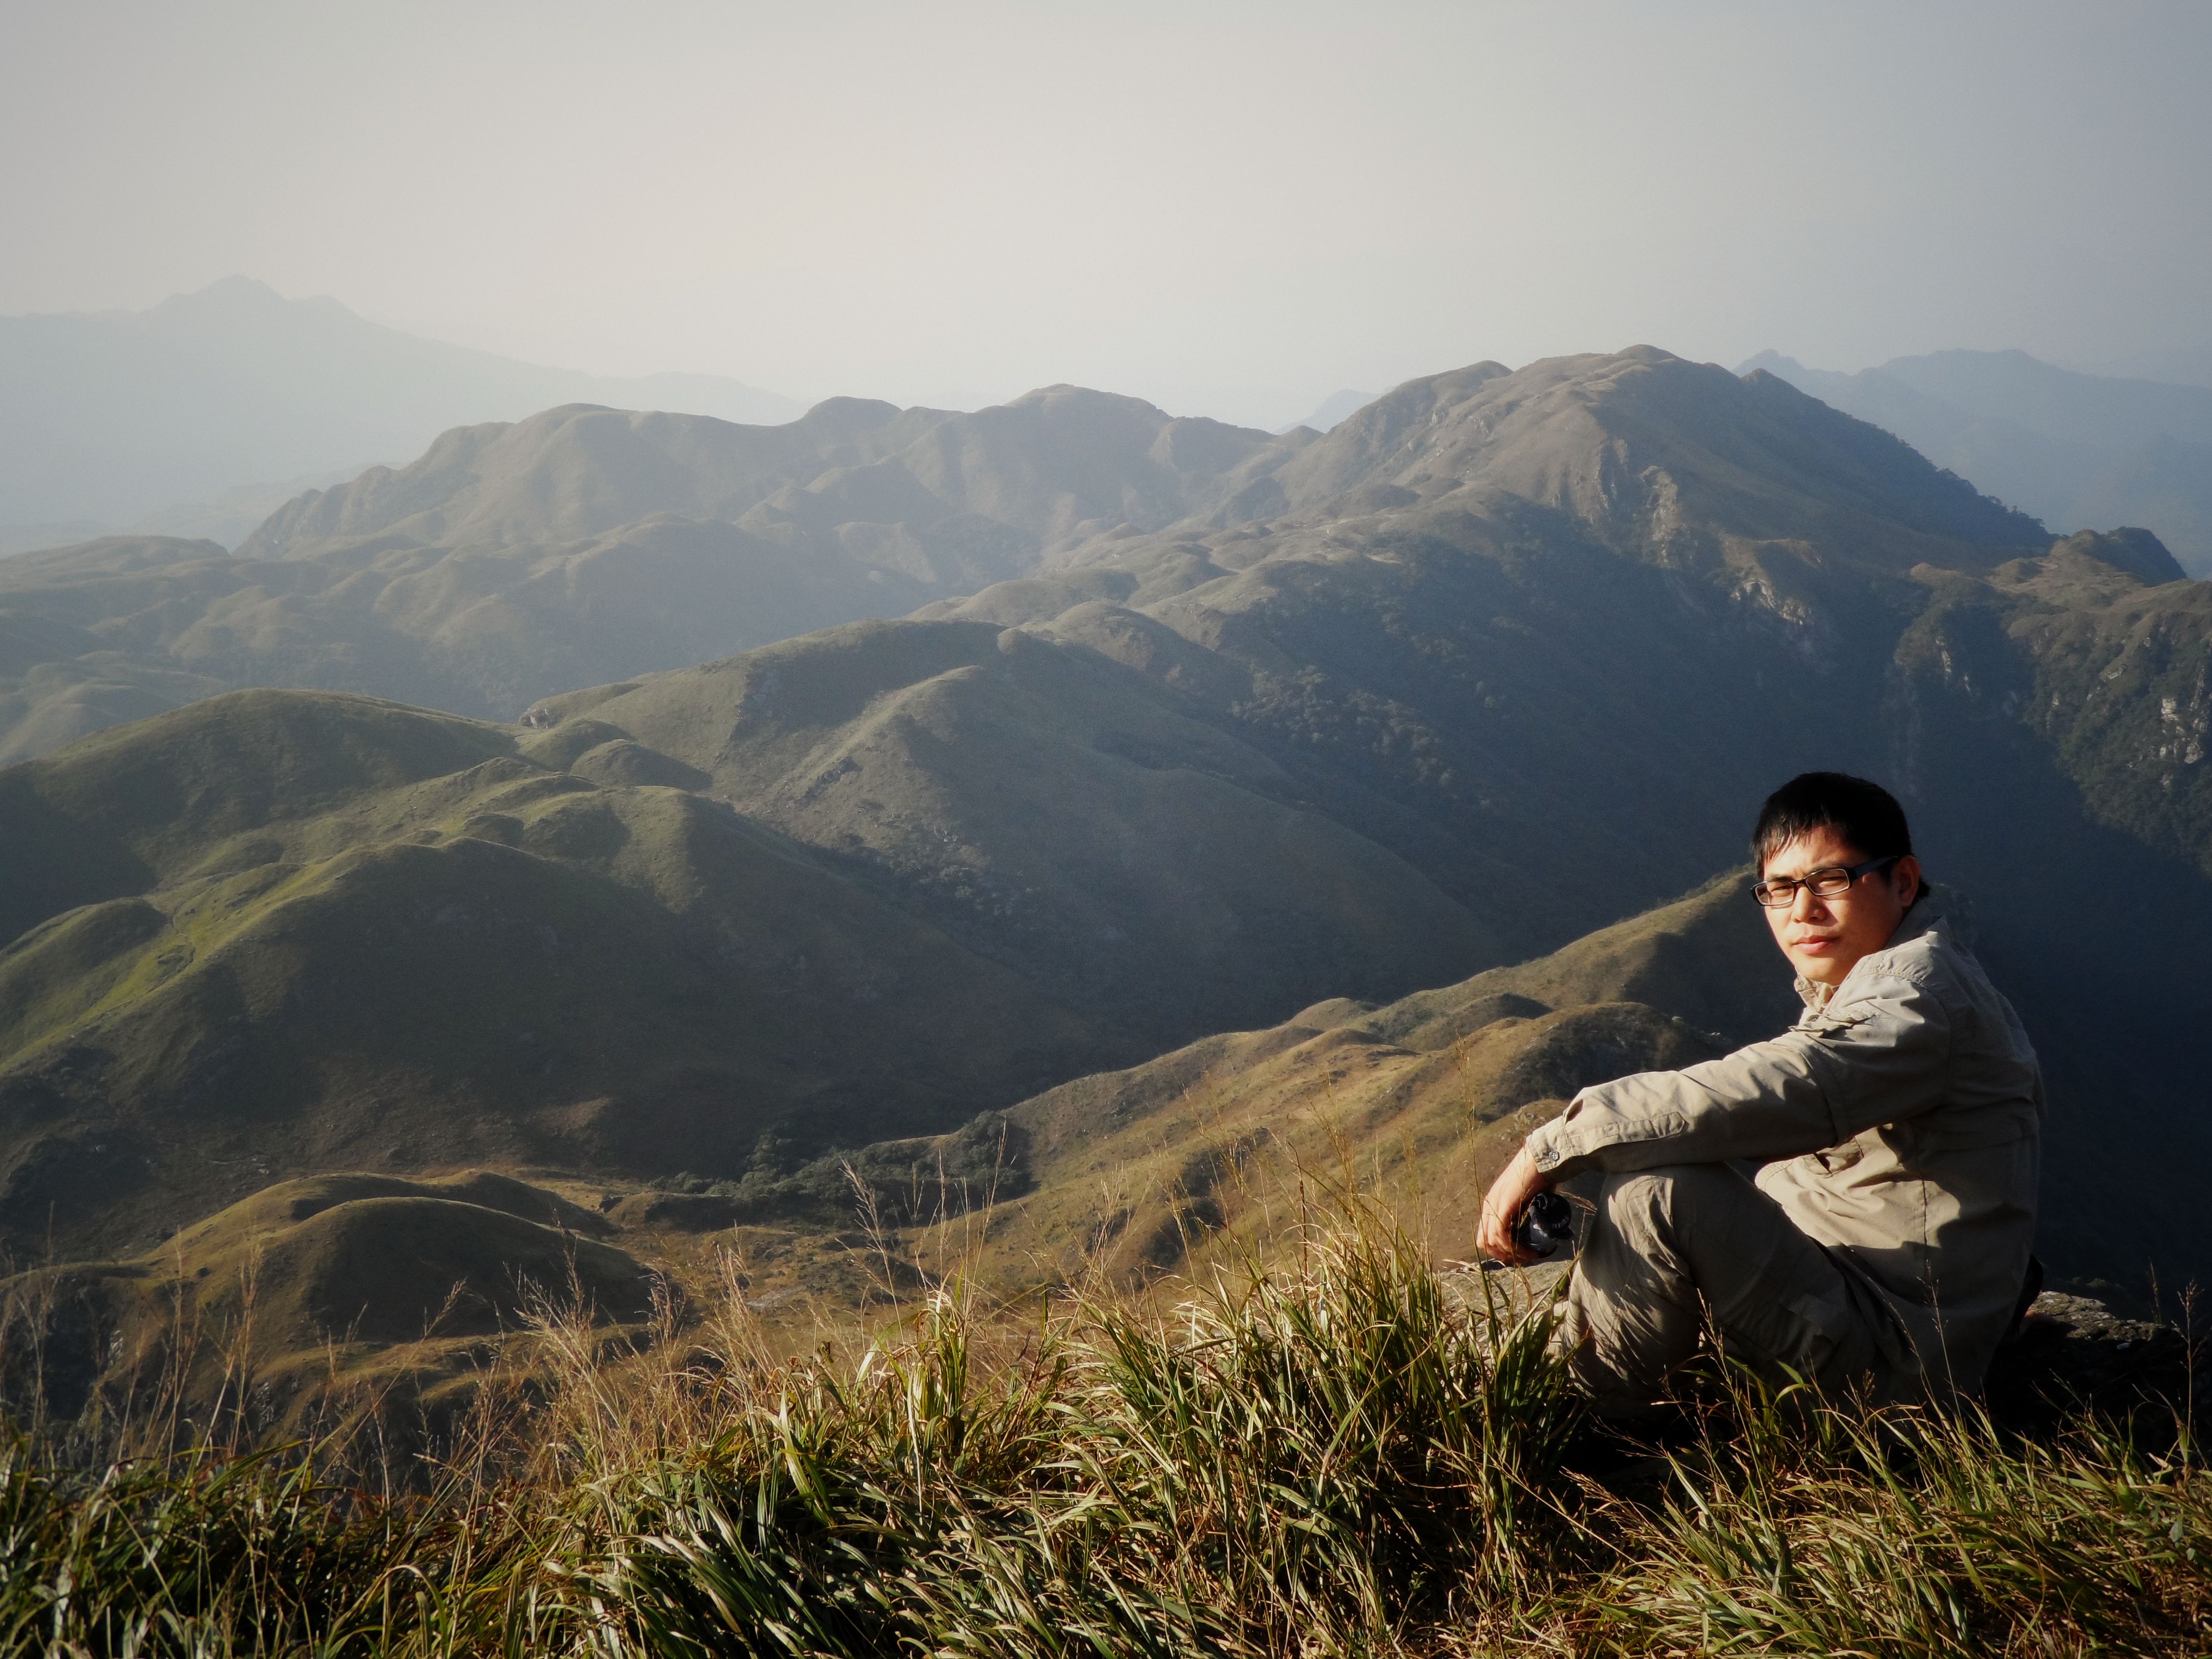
x=1929, y=956
x=1927, y=953
x=1932, y=961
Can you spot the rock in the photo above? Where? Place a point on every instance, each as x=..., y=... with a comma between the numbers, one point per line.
x=2073, y=1351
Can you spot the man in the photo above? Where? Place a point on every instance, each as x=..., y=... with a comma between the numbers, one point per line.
x=1886, y=1240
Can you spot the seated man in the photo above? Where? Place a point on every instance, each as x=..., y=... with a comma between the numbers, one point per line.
x=1886, y=1240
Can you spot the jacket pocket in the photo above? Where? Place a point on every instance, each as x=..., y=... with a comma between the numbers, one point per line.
x=1836, y=1159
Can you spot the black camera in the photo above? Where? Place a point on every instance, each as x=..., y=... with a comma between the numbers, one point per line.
x=1546, y=1223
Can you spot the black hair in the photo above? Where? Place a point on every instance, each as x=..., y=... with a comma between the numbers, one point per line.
x=1864, y=814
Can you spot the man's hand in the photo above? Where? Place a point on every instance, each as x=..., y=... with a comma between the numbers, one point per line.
x=1519, y=1182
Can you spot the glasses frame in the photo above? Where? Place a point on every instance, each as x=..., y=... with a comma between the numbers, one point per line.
x=1762, y=891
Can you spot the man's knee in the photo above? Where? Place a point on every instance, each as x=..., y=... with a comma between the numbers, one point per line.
x=1651, y=1209
x=1635, y=1307
x=1701, y=1239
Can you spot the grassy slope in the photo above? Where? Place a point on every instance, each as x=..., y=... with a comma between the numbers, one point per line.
x=1189, y=1163
x=1061, y=812
x=315, y=932
x=1133, y=1173
x=310, y=1301
x=1334, y=1454
x=1423, y=1097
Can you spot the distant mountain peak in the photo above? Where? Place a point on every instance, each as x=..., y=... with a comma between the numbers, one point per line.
x=240, y=300
x=1065, y=393
x=229, y=290
x=1621, y=441
x=150, y=417
x=2077, y=450
x=1332, y=409
x=857, y=414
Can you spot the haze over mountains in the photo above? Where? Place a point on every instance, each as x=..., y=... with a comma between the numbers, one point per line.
x=200, y=415
x=511, y=561
x=1115, y=730
x=2077, y=450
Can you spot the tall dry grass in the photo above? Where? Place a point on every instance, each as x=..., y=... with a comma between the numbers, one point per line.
x=1322, y=1453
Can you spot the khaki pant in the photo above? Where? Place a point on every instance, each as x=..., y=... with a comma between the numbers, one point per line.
x=1672, y=1253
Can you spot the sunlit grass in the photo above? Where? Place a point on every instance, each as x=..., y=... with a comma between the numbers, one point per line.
x=1322, y=1453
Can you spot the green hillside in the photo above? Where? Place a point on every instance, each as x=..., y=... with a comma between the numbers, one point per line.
x=1175, y=1162
x=1423, y=1099
x=336, y=1288
x=1501, y=659
x=278, y=933
x=1061, y=812
x=1198, y=1153
x=313, y=1298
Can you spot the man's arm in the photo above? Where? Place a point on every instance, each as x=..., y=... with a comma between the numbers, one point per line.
x=1882, y=1056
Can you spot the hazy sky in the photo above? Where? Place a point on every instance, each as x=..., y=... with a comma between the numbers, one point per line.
x=1229, y=209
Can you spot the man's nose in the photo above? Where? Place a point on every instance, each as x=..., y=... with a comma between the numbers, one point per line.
x=1805, y=905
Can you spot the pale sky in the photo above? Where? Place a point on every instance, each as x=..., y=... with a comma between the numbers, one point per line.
x=1229, y=209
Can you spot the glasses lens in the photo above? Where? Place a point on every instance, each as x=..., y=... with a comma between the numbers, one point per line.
x=1775, y=894
x=1829, y=884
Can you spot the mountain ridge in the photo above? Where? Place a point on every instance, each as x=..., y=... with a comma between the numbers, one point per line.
x=512, y=561
x=2078, y=450
x=119, y=417
x=1505, y=658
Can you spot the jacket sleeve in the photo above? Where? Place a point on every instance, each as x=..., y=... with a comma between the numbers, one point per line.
x=1882, y=1056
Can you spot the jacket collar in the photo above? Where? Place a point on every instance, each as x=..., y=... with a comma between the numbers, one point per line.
x=1926, y=912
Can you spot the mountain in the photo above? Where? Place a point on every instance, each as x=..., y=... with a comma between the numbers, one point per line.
x=1060, y=810
x=2075, y=450
x=282, y=931
x=1548, y=636
x=118, y=417
x=373, y=1282
x=1579, y=619
x=315, y=1299
x=1258, y=722
x=1057, y=466
x=1333, y=410
x=2181, y=366
x=513, y=561
x=1423, y=1097
x=274, y=932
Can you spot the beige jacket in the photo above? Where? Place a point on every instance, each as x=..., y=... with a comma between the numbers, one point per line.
x=1898, y=1122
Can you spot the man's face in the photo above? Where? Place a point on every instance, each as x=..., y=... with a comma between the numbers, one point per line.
x=1824, y=938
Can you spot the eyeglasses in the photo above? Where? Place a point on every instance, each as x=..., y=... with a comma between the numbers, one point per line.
x=1833, y=882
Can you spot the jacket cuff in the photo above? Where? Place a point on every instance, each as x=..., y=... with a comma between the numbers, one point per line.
x=1553, y=1151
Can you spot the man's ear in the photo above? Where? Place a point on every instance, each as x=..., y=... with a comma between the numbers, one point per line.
x=1909, y=886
